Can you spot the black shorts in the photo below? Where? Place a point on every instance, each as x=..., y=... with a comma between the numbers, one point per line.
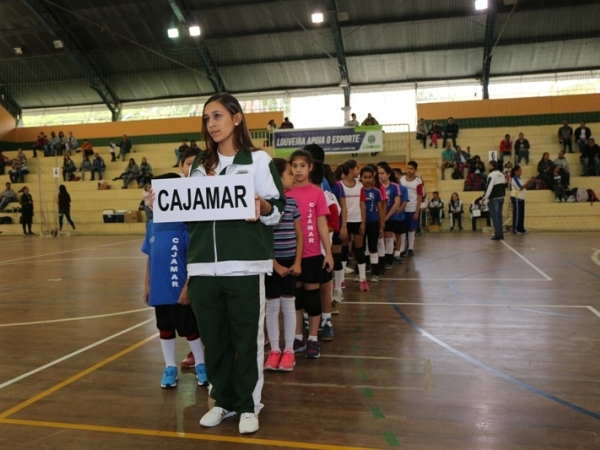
x=276, y=286
x=326, y=277
x=394, y=226
x=178, y=318
x=336, y=239
x=353, y=227
x=312, y=270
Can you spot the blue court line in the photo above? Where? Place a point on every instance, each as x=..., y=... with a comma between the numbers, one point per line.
x=484, y=366
x=585, y=270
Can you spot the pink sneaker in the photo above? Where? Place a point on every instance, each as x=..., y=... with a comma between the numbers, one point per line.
x=189, y=362
x=273, y=360
x=364, y=286
x=343, y=286
x=288, y=361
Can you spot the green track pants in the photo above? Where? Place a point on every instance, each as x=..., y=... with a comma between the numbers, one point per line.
x=230, y=312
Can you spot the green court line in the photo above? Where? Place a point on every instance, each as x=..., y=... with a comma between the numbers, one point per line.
x=360, y=319
x=357, y=338
x=391, y=439
x=377, y=413
x=358, y=361
x=362, y=375
x=356, y=348
x=357, y=328
x=499, y=283
x=368, y=392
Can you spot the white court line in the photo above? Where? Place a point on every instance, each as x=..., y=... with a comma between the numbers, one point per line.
x=594, y=310
x=527, y=261
x=75, y=353
x=39, y=322
x=68, y=251
x=595, y=256
x=481, y=305
x=387, y=358
x=457, y=279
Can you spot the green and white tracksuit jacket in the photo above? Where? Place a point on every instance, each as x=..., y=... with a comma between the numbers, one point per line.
x=237, y=247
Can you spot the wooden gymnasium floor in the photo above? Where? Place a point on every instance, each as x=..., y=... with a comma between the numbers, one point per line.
x=472, y=344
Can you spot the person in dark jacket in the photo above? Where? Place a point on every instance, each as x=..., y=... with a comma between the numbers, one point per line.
x=125, y=146
x=565, y=136
x=450, y=132
x=64, y=206
x=98, y=166
x=582, y=136
x=26, y=220
x=494, y=194
x=522, y=148
x=545, y=168
x=68, y=168
x=590, y=154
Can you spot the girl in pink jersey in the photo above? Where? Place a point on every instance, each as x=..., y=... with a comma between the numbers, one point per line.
x=313, y=210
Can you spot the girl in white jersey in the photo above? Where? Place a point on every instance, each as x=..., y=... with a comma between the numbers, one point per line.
x=355, y=205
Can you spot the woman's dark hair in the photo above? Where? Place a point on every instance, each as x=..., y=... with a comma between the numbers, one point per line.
x=190, y=151
x=348, y=165
x=131, y=160
x=280, y=165
x=387, y=169
x=62, y=189
x=301, y=154
x=316, y=151
x=241, y=135
x=339, y=170
x=514, y=170
x=317, y=173
x=457, y=196
x=376, y=182
x=329, y=176
x=367, y=169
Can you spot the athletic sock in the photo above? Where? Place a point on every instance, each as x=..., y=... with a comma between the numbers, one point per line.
x=313, y=338
x=374, y=259
x=168, y=349
x=389, y=246
x=339, y=279
x=397, y=253
x=325, y=317
x=403, y=243
x=197, y=350
x=362, y=271
x=411, y=240
x=273, y=307
x=381, y=247
x=299, y=337
x=289, y=320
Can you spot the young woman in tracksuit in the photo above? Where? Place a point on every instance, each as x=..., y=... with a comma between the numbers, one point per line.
x=227, y=263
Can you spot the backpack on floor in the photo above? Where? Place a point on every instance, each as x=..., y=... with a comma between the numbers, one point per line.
x=456, y=175
x=592, y=196
x=582, y=195
x=6, y=220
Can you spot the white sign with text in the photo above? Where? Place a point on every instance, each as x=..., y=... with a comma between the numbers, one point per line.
x=200, y=199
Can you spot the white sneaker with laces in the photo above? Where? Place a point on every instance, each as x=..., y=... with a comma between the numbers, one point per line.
x=215, y=416
x=248, y=423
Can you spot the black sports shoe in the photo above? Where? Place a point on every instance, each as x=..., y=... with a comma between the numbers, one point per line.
x=411, y=253
x=397, y=260
x=403, y=254
x=498, y=238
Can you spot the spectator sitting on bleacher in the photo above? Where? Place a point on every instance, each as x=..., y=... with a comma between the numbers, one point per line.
x=590, y=155
x=422, y=132
x=86, y=165
x=559, y=185
x=370, y=120
x=179, y=152
x=98, y=166
x=286, y=124
x=565, y=136
x=461, y=158
x=87, y=149
x=4, y=161
x=545, y=168
x=125, y=146
x=563, y=163
x=436, y=209
x=145, y=173
x=508, y=171
x=52, y=146
x=194, y=145
x=435, y=131
x=479, y=211
x=450, y=131
x=40, y=144
x=506, y=146
x=522, y=148
x=582, y=136
x=62, y=142
x=477, y=167
x=68, y=168
x=21, y=155
x=447, y=158
x=72, y=143
x=455, y=210
x=132, y=171
x=7, y=196
x=14, y=173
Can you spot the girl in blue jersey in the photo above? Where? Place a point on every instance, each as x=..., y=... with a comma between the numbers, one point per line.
x=375, y=218
x=392, y=220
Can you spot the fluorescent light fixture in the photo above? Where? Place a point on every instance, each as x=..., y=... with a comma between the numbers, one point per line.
x=195, y=30
x=481, y=4
x=58, y=44
x=317, y=17
x=173, y=33
x=18, y=50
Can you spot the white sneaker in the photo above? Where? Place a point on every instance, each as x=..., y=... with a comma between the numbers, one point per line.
x=337, y=295
x=349, y=270
x=215, y=416
x=248, y=423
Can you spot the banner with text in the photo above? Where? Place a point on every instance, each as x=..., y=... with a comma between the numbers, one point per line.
x=200, y=199
x=367, y=139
